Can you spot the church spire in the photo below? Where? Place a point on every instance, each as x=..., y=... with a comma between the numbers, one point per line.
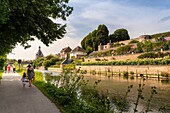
x=39, y=53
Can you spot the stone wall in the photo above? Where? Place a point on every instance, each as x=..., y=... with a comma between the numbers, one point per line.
x=144, y=69
x=117, y=58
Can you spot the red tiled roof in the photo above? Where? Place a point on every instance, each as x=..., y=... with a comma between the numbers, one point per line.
x=78, y=49
x=66, y=49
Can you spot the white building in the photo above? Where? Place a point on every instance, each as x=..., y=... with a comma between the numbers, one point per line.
x=77, y=52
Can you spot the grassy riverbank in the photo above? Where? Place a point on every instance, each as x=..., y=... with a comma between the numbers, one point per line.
x=70, y=98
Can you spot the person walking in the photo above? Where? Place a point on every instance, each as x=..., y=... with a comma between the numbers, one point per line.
x=30, y=73
x=14, y=69
x=9, y=68
x=6, y=68
x=24, y=79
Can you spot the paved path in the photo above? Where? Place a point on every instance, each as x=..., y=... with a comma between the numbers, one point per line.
x=16, y=99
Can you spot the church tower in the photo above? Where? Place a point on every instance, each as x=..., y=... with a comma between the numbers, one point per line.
x=39, y=53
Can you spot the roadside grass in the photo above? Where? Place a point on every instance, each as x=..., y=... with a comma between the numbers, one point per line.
x=21, y=71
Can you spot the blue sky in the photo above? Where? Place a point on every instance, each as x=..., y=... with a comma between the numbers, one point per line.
x=137, y=16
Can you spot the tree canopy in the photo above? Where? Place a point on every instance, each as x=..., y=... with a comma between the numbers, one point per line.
x=24, y=20
x=101, y=35
x=119, y=35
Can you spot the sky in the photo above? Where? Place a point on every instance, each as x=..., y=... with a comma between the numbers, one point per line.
x=139, y=17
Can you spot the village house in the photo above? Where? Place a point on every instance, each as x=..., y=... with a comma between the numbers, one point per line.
x=64, y=52
x=77, y=52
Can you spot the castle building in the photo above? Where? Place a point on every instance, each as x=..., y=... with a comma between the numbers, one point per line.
x=39, y=53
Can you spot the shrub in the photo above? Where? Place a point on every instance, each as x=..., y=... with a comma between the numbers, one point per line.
x=133, y=41
x=97, y=59
x=165, y=74
x=125, y=73
x=132, y=73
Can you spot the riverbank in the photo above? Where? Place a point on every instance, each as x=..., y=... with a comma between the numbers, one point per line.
x=59, y=70
x=137, y=69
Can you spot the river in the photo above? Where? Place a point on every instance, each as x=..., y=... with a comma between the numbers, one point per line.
x=117, y=86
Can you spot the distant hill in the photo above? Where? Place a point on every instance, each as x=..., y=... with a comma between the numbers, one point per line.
x=165, y=34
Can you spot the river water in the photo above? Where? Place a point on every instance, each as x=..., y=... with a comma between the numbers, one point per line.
x=117, y=87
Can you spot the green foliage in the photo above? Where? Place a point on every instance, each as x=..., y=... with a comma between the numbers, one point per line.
x=39, y=62
x=123, y=49
x=69, y=66
x=26, y=19
x=1, y=72
x=55, y=66
x=101, y=54
x=140, y=95
x=125, y=73
x=100, y=36
x=116, y=44
x=38, y=76
x=121, y=103
x=133, y=41
x=47, y=61
x=165, y=34
x=148, y=46
x=153, y=92
x=121, y=35
x=165, y=74
x=49, y=57
x=89, y=50
x=154, y=55
x=3, y=60
x=93, y=39
x=21, y=71
x=134, y=62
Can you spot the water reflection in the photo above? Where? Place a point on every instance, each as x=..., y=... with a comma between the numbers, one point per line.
x=117, y=86
x=166, y=81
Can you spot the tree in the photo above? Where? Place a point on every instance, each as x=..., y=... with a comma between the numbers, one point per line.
x=121, y=35
x=101, y=36
x=89, y=50
x=3, y=60
x=24, y=20
x=87, y=41
x=49, y=57
x=38, y=62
